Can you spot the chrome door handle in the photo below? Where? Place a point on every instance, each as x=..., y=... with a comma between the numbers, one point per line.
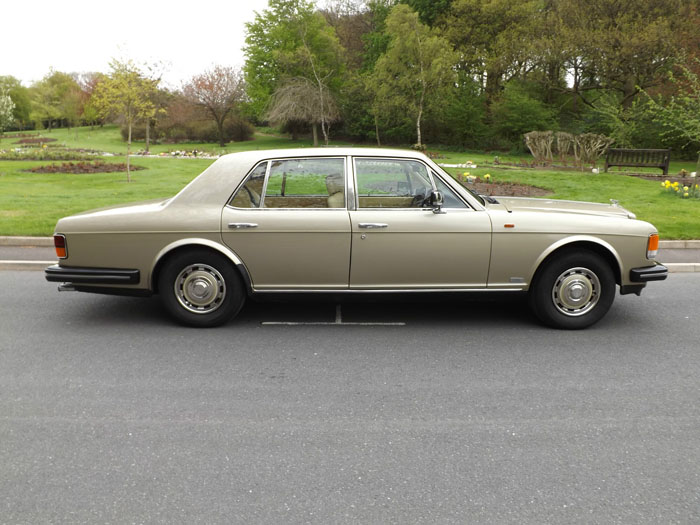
x=241, y=225
x=372, y=225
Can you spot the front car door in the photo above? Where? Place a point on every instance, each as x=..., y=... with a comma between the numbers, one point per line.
x=289, y=224
x=397, y=240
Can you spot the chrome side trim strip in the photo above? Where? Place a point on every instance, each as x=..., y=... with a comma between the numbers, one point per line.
x=375, y=290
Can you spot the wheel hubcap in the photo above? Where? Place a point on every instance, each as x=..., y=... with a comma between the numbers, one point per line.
x=576, y=291
x=200, y=288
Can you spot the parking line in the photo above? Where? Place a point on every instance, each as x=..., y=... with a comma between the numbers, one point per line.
x=338, y=322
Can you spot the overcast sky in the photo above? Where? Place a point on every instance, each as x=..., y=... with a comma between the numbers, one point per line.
x=83, y=35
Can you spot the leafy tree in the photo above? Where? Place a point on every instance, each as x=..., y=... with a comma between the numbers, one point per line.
x=428, y=10
x=127, y=94
x=20, y=98
x=517, y=112
x=619, y=46
x=291, y=41
x=6, y=110
x=492, y=38
x=56, y=98
x=680, y=113
x=416, y=68
x=219, y=91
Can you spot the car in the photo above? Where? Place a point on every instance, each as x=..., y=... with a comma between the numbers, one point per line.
x=352, y=221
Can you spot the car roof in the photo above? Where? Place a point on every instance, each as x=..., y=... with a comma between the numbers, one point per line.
x=226, y=172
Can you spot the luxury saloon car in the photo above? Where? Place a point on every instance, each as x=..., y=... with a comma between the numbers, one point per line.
x=352, y=220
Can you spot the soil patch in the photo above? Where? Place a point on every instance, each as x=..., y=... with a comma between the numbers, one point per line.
x=39, y=140
x=84, y=167
x=508, y=189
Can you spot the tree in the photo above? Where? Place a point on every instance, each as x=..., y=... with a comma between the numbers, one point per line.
x=301, y=100
x=680, y=114
x=20, y=98
x=56, y=99
x=415, y=68
x=127, y=94
x=218, y=90
x=6, y=110
x=493, y=38
x=624, y=47
x=287, y=42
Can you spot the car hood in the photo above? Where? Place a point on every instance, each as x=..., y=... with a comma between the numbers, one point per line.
x=561, y=206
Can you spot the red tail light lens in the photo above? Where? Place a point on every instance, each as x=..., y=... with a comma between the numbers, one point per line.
x=59, y=242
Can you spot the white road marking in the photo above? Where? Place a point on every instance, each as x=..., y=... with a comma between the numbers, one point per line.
x=338, y=322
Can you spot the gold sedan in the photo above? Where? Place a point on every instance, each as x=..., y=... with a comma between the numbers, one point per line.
x=352, y=220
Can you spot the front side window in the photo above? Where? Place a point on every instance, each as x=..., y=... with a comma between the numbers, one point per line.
x=305, y=183
x=392, y=183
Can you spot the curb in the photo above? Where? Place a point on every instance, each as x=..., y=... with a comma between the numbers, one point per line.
x=30, y=242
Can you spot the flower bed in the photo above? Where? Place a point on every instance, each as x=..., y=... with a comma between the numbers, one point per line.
x=84, y=167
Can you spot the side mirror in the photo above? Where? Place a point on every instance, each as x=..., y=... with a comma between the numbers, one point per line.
x=436, y=201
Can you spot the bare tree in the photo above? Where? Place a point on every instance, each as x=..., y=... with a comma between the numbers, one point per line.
x=304, y=100
x=219, y=90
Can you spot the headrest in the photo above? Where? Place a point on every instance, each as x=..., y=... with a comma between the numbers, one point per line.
x=335, y=183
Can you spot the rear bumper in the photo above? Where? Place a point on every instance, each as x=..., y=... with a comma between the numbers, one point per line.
x=67, y=274
x=650, y=273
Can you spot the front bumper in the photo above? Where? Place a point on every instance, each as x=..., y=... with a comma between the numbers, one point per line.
x=650, y=273
x=67, y=274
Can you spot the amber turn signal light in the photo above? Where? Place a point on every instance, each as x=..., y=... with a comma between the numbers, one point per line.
x=59, y=242
x=653, y=246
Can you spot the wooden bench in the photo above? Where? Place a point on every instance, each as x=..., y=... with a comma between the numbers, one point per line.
x=638, y=158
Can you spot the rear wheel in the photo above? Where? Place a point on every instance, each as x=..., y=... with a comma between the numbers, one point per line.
x=573, y=290
x=200, y=288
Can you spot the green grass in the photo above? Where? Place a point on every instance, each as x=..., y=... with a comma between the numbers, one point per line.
x=30, y=204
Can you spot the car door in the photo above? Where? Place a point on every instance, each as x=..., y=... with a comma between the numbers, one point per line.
x=289, y=224
x=398, y=242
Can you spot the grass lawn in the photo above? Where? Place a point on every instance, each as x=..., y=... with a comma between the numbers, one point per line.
x=30, y=204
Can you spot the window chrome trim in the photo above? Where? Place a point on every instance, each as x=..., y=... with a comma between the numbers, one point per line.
x=431, y=174
x=268, y=169
x=241, y=184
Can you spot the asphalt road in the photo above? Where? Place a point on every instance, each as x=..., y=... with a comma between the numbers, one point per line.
x=470, y=413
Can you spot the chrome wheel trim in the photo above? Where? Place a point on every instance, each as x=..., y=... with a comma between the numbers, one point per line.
x=576, y=291
x=200, y=288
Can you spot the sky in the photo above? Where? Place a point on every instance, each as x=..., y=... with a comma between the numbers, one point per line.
x=76, y=36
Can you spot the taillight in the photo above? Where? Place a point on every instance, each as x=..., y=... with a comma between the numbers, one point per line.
x=653, y=246
x=59, y=242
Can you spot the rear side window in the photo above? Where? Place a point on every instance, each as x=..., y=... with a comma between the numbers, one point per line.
x=305, y=183
x=250, y=194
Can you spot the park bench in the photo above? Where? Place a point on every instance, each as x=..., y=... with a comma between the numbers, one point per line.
x=638, y=158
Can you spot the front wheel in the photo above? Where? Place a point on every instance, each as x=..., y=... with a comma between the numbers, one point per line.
x=200, y=288
x=573, y=290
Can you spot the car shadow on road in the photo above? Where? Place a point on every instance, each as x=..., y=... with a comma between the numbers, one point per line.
x=409, y=309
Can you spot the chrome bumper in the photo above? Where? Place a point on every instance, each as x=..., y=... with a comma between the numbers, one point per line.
x=650, y=273
x=67, y=274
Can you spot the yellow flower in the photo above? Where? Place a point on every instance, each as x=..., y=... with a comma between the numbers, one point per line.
x=663, y=184
x=466, y=174
x=676, y=188
x=487, y=176
x=685, y=188
x=685, y=194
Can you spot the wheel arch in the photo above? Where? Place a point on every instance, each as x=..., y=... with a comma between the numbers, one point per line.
x=593, y=244
x=187, y=244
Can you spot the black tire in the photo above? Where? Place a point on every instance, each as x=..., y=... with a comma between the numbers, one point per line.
x=200, y=288
x=572, y=290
